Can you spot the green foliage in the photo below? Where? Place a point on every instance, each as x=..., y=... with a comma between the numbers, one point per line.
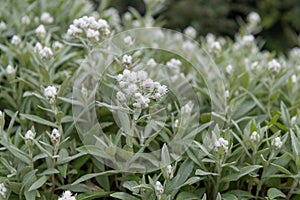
x=243, y=137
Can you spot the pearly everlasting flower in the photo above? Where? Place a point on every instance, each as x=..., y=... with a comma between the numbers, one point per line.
x=295, y=52
x=247, y=40
x=227, y=94
x=2, y=26
x=3, y=190
x=127, y=16
x=41, y=31
x=93, y=35
x=15, y=40
x=29, y=135
x=188, y=46
x=46, y=53
x=221, y=143
x=253, y=18
x=274, y=66
x=294, y=78
x=128, y=40
x=159, y=189
x=57, y=45
x=46, y=18
x=229, y=69
x=174, y=65
x=176, y=122
x=254, y=137
x=50, y=92
x=277, y=142
x=67, y=195
x=10, y=69
x=121, y=96
x=25, y=20
x=74, y=31
x=294, y=120
x=169, y=169
x=187, y=108
x=55, y=135
x=126, y=60
x=190, y=31
x=151, y=63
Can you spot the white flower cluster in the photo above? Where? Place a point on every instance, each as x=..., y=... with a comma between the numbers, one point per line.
x=50, y=92
x=90, y=26
x=55, y=135
x=254, y=137
x=190, y=31
x=169, y=170
x=15, y=40
x=3, y=189
x=221, y=143
x=57, y=45
x=274, y=66
x=25, y=20
x=174, y=65
x=10, y=70
x=253, y=18
x=277, y=142
x=159, y=189
x=46, y=18
x=213, y=45
x=247, y=40
x=29, y=135
x=126, y=60
x=128, y=40
x=41, y=31
x=151, y=63
x=67, y=195
x=43, y=52
x=139, y=87
x=2, y=26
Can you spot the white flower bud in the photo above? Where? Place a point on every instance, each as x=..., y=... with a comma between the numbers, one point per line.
x=126, y=60
x=57, y=45
x=50, y=92
x=29, y=135
x=277, y=142
x=294, y=78
x=159, y=188
x=128, y=40
x=55, y=135
x=170, y=171
x=229, y=69
x=46, y=18
x=190, y=31
x=3, y=26
x=254, y=137
x=222, y=143
x=294, y=120
x=25, y=20
x=15, y=40
x=67, y=195
x=253, y=18
x=3, y=190
x=151, y=63
x=41, y=31
x=10, y=70
x=121, y=96
x=274, y=66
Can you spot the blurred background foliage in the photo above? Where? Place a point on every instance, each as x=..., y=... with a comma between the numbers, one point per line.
x=280, y=19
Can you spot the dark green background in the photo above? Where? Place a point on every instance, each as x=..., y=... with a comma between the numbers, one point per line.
x=280, y=18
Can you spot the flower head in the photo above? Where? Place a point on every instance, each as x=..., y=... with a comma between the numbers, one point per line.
x=25, y=20
x=3, y=189
x=274, y=66
x=151, y=63
x=10, y=69
x=29, y=135
x=277, y=142
x=50, y=92
x=55, y=135
x=253, y=18
x=159, y=189
x=67, y=195
x=15, y=40
x=254, y=137
x=126, y=60
x=2, y=26
x=190, y=31
x=46, y=18
x=221, y=143
x=169, y=169
x=41, y=31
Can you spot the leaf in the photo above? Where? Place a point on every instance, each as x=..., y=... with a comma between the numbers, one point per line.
x=124, y=196
x=39, y=120
x=49, y=172
x=89, y=176
x=44, y=74
x=165, y=156
x=38, y=183
x=243, y=171
x=285, y=114
x=92, y=195
x=274, y=193
x=200, y=172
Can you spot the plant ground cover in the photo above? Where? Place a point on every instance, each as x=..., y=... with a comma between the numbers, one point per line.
x=100, y=106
